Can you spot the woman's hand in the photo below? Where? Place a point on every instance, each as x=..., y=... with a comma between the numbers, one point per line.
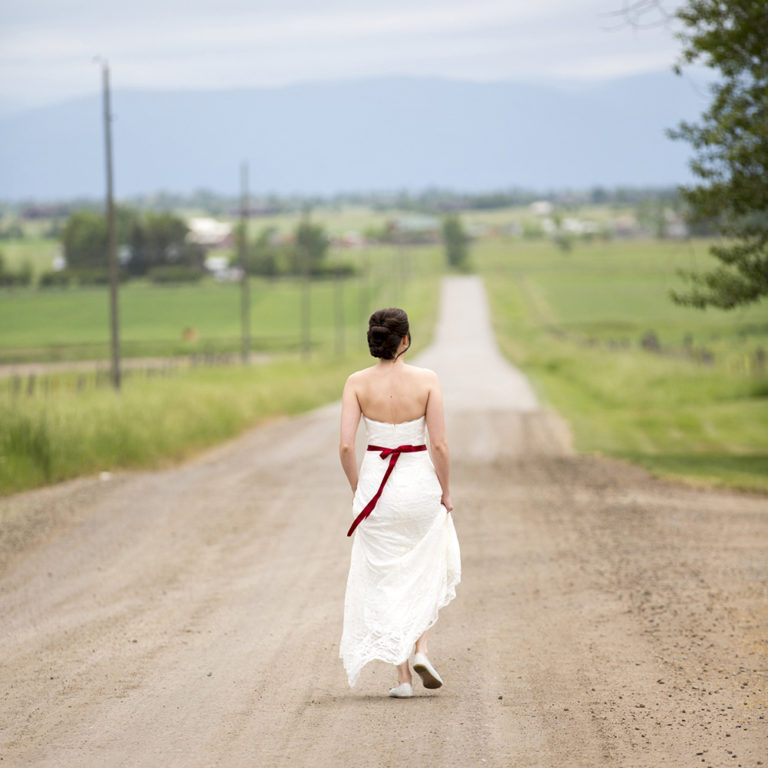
x=446, y=502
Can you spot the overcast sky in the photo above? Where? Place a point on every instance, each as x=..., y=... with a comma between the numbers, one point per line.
x=47, y=46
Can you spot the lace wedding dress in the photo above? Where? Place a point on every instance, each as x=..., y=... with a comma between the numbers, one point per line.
x=405, y=561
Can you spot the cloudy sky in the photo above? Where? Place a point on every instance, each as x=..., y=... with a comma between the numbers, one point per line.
x=47, y=46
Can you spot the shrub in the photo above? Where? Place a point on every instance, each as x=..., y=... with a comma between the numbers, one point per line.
x=91, y=276
x=175, y=273
x=61, y=279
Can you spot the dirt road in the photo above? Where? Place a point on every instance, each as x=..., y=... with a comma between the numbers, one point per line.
x=191, y=617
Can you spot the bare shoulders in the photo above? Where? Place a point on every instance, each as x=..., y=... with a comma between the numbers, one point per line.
x=415, y=371
x=361, y=375
x=393, y=394
x=425, y=373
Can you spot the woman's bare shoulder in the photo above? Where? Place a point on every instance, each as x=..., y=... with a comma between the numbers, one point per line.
x=426, y=374
x=360, y=375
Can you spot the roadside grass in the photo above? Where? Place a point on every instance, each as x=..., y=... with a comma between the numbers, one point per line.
x=573, y=322
x=61, y=432
x=152, y=422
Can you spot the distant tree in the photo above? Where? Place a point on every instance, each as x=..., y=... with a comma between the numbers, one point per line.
x=84, y=238
x=166, y=241
x=160, y=240
x=455, y=241
x=731, y=145
x=263, y=255
x=311, y=247
x=152, y=240
x=563, y=240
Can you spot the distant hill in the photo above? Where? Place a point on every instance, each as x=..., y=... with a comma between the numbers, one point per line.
x=384, y=133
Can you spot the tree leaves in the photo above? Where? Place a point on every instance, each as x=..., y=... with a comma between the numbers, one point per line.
x=731, y=144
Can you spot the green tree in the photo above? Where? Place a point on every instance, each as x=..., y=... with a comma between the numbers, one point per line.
x=160, y=240
x=263, y=255
x=455, y=241
x=84, y=239
x=731, y=146
x=152, y=240
x=311, y=247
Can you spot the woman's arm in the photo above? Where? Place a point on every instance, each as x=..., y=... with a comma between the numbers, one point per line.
x=438, y=441
x=350, y=418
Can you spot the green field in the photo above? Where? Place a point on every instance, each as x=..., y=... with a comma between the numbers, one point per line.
x=696, y=409
x=70, y=324
x=64, y=430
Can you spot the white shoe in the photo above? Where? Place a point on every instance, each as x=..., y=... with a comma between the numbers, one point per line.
x=403, y=691
x=426, y=671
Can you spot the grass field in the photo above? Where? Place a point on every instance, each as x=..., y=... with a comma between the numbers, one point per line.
x=573, y=322
x=71, y=324
x=62, y=432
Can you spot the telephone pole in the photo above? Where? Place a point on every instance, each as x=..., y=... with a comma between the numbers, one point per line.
x=338, y=296
x=306, y=286
x=111, y=239
x=245, y=292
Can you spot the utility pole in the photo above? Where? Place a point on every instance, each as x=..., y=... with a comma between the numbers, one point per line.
x=111, y=239
x=396, y=271
x=245, y=293
x=339, y=306
x=365, y=276
x=306, y=328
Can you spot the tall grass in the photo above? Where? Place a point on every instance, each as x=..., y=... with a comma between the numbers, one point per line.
x=151, y=421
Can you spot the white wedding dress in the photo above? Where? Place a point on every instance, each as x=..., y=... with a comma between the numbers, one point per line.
x=405, y=561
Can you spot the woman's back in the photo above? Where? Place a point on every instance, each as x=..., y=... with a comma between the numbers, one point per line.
x=393, y=393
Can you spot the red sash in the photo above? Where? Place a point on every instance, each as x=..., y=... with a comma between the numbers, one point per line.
x=394, y=454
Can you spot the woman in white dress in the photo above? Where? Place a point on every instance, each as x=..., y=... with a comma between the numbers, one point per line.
x=405, y=561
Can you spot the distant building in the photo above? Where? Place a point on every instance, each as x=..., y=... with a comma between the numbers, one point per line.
x=625, y=226
x=53, y=211
x=349, y=240
x=210, y=233
x=59, y=260
x=542, y=208
x=415, y=229
x=580, y=226
x=219, y=267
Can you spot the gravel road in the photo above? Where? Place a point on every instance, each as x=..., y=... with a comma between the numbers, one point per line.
x=191, y=616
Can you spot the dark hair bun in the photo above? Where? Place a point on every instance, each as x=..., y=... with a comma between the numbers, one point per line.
x=379, y=332
x=386, y=327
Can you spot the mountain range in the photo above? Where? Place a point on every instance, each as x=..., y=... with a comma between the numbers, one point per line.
x=385, y=133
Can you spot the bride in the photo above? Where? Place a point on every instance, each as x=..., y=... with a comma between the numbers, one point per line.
x=405, y=562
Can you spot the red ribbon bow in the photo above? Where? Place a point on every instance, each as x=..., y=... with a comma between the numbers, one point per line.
x=394, y=455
